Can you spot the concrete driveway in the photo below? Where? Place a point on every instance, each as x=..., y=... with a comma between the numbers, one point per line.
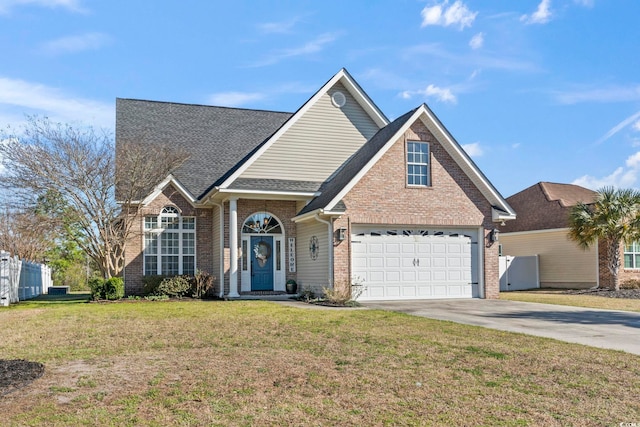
x=618, y=330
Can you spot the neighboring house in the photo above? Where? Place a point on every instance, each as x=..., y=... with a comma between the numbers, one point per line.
x=330, y=193
x=542, y=229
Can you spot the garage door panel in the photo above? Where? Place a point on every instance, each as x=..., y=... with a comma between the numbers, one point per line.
x=414, y=265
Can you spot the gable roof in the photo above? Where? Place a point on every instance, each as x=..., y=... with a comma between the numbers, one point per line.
x=217, y=138
x=349, y=84
x=546, y=206
x=356, y=163
x=359, y=164
x=567, y=194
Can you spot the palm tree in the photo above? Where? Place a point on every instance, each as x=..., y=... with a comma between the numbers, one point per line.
x=613, y=218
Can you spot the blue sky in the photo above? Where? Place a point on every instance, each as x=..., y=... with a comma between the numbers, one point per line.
x=535, y=90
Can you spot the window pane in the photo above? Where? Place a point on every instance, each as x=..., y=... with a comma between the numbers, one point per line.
x=636, y=263
x=189, y=265
x=150, y=244
x=170, y=223
x=170, y=265
x=244, y=255
x=150, y=265
x=278, y=255
x=189, y=223
x=628, y=261
x=417, y=163
x=170, y=243
x=188, y=244
x=150, y=222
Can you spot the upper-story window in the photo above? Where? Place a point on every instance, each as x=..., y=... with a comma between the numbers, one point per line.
x=169, y=243
x=418, y=163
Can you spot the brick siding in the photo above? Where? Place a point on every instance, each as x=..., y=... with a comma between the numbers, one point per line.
x=452, y=199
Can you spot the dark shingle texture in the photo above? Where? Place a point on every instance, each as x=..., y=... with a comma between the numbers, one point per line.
x=354, y=164
x=275, y=185
x=217, y=138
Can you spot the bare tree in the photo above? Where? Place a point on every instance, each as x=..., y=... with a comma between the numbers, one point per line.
x=80, y=164
x=25, y=233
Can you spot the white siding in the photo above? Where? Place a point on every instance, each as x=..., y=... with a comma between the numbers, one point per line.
x=312, y=273
x=562, y=262
x=318, y=143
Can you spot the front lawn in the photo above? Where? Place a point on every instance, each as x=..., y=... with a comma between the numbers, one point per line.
x=261, y=363
x=560, y=297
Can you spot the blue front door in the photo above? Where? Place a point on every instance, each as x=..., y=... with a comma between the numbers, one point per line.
x=261, y=263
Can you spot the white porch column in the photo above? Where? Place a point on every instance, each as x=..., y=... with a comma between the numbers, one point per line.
x=233, y=248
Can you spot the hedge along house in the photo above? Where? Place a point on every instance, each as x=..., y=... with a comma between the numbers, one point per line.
x=331, y=193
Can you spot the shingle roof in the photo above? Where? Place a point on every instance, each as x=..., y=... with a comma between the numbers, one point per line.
x=354, y=164
x=218, y=138
x=545, y=206
x=275, y=185
x=567, y=194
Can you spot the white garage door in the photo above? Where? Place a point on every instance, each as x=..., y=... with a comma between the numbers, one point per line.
x=416, y=264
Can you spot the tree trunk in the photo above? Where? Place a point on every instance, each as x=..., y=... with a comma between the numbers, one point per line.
x=613, y=261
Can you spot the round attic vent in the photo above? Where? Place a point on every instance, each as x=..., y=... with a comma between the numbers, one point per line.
x=338, y=99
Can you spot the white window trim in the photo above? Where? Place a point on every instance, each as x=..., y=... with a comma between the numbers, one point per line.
x=427, y=164
x=633, y=254
x=157, y=233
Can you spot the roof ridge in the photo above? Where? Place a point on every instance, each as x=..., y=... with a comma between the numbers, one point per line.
x=204, y=105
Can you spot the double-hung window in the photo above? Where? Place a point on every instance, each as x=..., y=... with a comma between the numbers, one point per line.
x=418, y=164
x=632, y=255
x=169, y=243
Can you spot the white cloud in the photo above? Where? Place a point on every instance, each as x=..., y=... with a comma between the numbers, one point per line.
x=440, y=14
x=71, y=5
x=585, y=3
x=474, y=149
x=542, y=15
x=623, y=124
x=314, y=46
x=19, y=97
x=477, y=41
x=623, y=177
x=73, y=44
x=234, y=99
x=600, y=94
x=432, y=91
x=282, y=27
x=636, y=126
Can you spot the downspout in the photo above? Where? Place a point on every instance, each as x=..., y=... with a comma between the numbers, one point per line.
x=329, y=245
x=221, y=249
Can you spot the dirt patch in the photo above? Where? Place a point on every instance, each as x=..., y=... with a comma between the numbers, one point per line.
x=15, y=374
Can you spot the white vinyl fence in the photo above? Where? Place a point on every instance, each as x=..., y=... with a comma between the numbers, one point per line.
x=518, y=273
x=21, y=280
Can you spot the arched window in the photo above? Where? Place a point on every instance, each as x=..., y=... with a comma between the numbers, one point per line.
x=169, y=243
x=263, y=223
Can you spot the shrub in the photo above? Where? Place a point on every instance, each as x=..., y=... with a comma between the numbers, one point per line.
x=150, y=284
x=630, y=284
x=114, y=288
x=176, y=286
x=344, y=293
x=307, y=294
x=201, y=283
x=110, y=289
x=96, y=285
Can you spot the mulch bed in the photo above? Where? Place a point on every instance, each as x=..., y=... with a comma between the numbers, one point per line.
x=15, y=374
x=609, y=293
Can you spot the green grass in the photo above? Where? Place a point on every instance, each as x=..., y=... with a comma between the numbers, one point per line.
x=558, y=297
x=260, y=363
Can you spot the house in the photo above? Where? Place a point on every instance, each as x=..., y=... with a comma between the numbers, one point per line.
x=332, y=193
x=541, y=228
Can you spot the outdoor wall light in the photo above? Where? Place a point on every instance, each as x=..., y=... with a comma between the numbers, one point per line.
x=494, y=235
x=342, y=234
